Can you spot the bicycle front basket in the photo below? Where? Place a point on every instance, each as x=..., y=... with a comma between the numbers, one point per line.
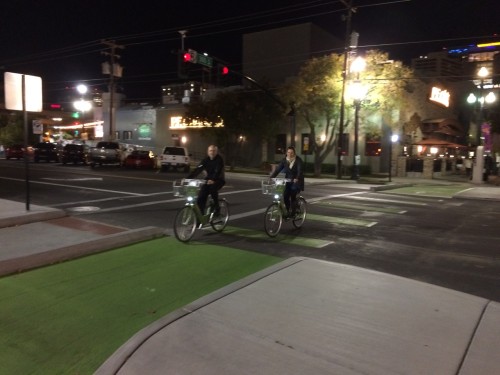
x=179, y=190
x=268, y=187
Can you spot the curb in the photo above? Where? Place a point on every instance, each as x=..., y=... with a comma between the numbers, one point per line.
x=31, y=217
x=105, y=243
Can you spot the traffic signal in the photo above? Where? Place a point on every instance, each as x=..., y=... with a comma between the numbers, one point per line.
x=222, y=73
x=183, y=59
x=187, y=57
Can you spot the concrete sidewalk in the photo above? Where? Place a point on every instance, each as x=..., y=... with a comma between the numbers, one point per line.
x=306, y=316
x=300, y=316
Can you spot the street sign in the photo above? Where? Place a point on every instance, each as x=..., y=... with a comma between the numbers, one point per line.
x=204, y=60
x=37, y=127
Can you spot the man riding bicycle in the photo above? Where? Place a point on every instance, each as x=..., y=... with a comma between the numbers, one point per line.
x=213, y=165
x=292, y=167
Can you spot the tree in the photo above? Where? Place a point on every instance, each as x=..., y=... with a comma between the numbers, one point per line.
x=317, y=90
x=248, y=113
x=11, y=129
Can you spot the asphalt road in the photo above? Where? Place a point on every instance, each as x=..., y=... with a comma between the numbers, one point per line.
x=452, y=243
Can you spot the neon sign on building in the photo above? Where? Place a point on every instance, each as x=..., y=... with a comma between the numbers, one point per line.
x=178, y=122
x=440, y=96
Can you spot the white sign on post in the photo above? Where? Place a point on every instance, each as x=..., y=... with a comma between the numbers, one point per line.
x=13, y=84
x=37, y=127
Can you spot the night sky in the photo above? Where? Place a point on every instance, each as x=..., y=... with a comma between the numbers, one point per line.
x=60, y=41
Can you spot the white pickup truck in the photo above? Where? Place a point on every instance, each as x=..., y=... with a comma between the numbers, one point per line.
x=175, y=157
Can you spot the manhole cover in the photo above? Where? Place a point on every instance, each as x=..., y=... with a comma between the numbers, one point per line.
x=83, y=209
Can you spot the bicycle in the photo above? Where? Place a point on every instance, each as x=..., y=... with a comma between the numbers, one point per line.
x=189, y=218
x=276, y=213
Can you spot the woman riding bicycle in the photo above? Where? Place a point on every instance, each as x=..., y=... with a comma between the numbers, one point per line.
x=292, y=167
x=213, y=165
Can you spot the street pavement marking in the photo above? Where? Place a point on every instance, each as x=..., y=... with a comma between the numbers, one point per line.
x=386, y=200
x=341, y=220
x=282, y=237
x=347, y=206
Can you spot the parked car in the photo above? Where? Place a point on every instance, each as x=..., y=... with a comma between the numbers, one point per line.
x=105, y=153
x=175, y=157
x=140, y=159
x=14, y=152
x=74, y=153
x=45, y=151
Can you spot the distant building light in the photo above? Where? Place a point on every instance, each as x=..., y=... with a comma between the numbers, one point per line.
x=483, y=45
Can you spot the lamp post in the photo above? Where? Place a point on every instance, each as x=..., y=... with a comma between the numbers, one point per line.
x=82, y=105
x=477, y=171
x=358, y=93
x=482, y=74
x=394, y=139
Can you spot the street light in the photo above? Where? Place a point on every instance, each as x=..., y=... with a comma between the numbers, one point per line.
x=82, y=105
x=477, y=171
x=394, y=139
x=358, y=93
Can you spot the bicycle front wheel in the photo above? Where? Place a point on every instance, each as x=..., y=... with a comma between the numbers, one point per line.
x=273, y=220
x=301, y=212
x=185, y=224
x=219, y=222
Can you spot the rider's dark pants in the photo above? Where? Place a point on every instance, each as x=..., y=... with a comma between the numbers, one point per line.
x=213, y=190
x=290, y=195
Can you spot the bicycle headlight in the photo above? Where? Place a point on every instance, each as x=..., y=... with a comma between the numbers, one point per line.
x=190, y=199
x=276, y=196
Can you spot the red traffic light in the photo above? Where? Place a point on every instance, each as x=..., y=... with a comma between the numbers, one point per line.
x=187, y=57
x=224, y=70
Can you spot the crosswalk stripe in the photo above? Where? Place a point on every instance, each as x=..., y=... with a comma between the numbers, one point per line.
x=347, y=206
x=282, y=237
x=341, y=220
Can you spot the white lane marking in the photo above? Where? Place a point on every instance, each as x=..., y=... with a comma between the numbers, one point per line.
x=73, y=179
x=389, y=200
x=233, y=217
x=76, y=187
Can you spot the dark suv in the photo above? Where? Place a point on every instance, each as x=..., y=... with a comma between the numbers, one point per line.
x=45, y=151
x=74, y=153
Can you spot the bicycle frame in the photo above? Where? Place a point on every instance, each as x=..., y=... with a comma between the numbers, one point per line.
x=189, y=218
x=274, y=219
x=189, y=188
x=276, y=188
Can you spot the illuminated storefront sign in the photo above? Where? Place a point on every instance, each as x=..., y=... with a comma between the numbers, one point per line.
x=145, y=131
x=440, y=96
x=179, y=122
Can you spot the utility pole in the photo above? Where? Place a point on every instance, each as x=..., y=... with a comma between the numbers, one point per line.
x=114, y=70
x=183, y=36
x=347, y=44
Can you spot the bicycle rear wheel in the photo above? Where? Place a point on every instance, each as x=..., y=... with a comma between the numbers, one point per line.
x=301, y=212
x=219, y=222
x=185, y=224
x=273, y=220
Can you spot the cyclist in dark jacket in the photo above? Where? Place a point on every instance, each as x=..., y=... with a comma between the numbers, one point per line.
x=213, y=165
x=292, y=167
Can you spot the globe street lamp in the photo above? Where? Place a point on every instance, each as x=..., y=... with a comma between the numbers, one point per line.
x=394, y=139
x=82, y=105
x=477, y=171
x=358, y=93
